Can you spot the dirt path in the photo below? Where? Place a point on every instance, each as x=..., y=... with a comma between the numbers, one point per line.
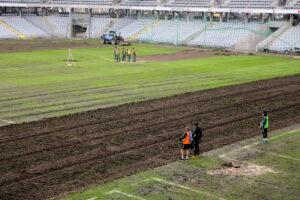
x=52, y=157
x=42, y=45
x=185, y=55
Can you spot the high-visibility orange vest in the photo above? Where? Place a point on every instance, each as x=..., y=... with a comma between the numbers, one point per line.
x=129, y=52
x=187, y=138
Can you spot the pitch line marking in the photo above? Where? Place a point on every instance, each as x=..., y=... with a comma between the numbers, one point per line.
x=125, y=194
x=10, y=122
x=283, y=156
x=93, y=198
x=256, y=143
x=186, y=188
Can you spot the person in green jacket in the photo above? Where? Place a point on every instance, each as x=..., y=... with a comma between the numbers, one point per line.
x=264, y=125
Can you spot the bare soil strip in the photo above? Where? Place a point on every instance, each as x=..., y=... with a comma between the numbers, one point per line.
x=185, y=55
x=43, y=45
x=55, y=156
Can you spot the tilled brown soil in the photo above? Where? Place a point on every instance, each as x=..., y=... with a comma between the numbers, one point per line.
x=185, y=55
x=53, y=157
x=43, y=45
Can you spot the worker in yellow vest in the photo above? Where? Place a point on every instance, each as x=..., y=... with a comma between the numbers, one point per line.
x=186, y=140
x=129, y=55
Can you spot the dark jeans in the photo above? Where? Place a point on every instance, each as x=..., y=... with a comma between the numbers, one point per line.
x=196, y=147
x=265, y=133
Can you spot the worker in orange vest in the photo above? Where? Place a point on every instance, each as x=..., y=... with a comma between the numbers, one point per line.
x=129, y=55
x=134, y=55
x=186, y=140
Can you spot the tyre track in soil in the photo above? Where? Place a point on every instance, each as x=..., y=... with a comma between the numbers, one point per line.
x=89, y=122
x=163, y=157
x=96, y=137
x=85, y=159
x=94, y=143
x=65, y=174
x=152, y=139
x=105, y=137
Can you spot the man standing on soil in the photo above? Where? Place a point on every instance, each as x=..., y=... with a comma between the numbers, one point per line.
x=197, y=135
x=129, y=55
x=186, y=140
x=264, y=125
x=134, y=55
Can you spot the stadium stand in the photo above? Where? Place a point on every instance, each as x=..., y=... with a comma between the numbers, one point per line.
x=171, y=31
x=290, y=39
x=293, y=5
x=224, y=34
x=135, y=28
x=98, y=24
x=83, y=2
x=121, y=23
x=19, y=24
x=59, y=24
x=40, y=23
x=248, y=4
x=139, y=3
x=5, y=33
x=191, y=3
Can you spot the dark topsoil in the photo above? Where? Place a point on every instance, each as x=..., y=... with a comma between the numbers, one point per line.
x=185, y=55
x=21, y=46
x=53, y=157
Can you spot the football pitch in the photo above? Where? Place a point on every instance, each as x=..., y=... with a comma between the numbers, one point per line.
x=39, y=84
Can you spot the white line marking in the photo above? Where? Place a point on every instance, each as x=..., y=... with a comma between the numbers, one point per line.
x=125, y=194
x=107, y=59
x=10, y=122
x=93, y=198
x=187, y=188
x=284, y=156
x=256, y=143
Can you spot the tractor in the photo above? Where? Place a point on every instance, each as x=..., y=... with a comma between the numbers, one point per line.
x=113, y=38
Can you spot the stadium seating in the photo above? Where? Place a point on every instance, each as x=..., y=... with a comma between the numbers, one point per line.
x=190, y=3
x=139, y=3
x=289, y=39
x=40, y=23
x=23, y=26
x=135, y=27
x=98, y=24
x=83, y=2
x=293, y=5
x=60, y=24
x=5, y=33
x=224, y=34
x=167, y=32
x=248, y=4
x=121, y=23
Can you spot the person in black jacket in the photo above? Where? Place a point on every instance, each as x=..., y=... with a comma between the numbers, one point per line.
x=197, y=135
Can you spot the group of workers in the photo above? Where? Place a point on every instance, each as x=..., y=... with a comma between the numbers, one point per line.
x=126, y=55
x=191, y=139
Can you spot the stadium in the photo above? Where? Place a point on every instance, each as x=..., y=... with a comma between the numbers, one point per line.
x=96, y=94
